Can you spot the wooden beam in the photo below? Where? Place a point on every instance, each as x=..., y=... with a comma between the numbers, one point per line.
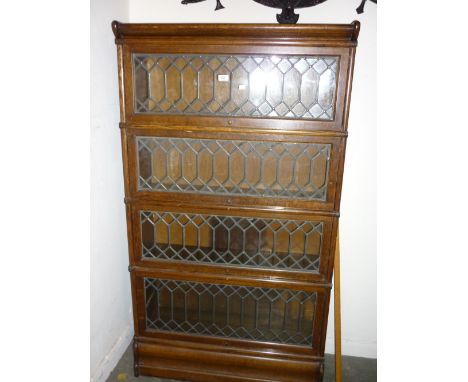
x=337, y=311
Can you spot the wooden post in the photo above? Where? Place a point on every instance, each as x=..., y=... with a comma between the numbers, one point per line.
x=337, y=295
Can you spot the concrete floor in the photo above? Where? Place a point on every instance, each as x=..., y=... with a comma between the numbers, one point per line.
x=354, y=370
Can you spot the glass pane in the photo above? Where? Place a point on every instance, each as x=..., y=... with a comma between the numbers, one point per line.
x=246, y=86
x=260, y=314
x=234, y=241
x=262, y=169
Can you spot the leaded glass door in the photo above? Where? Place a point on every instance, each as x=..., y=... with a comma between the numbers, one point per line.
x=238, y=242
x=262, y=89
x=241, y=170
x=234, y=167
x=260, y=86
x=272, y=313
x=251, y=313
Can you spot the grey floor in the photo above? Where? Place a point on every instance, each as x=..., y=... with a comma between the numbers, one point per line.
x=354, y=370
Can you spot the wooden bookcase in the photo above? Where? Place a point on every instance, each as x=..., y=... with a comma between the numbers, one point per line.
x=233, y=141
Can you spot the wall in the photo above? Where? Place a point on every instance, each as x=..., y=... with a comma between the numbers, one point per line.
x=358, y=210
x=111, y=318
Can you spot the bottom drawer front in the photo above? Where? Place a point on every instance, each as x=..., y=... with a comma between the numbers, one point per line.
x=199, y=362
x=254, y=313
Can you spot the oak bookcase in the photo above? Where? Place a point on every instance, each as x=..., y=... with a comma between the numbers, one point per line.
x=233, y=141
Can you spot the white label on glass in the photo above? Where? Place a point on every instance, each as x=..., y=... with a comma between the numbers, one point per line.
x=223, y=77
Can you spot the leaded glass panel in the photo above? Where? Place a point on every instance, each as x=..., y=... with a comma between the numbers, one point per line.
x=230, y=167
x=242, y=85
x=232, y=241
x=261, y=314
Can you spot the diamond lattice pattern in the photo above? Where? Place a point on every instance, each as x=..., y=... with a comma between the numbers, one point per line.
x=234, y=241
x=252, y=313
x=228, y=167
x=250, y=86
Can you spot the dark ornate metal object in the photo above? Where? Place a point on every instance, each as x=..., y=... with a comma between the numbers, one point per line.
x=360, y=9
x=218, y=3
x=287, y=15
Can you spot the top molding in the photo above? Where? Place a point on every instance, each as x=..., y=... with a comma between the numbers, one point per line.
x=326, y=34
